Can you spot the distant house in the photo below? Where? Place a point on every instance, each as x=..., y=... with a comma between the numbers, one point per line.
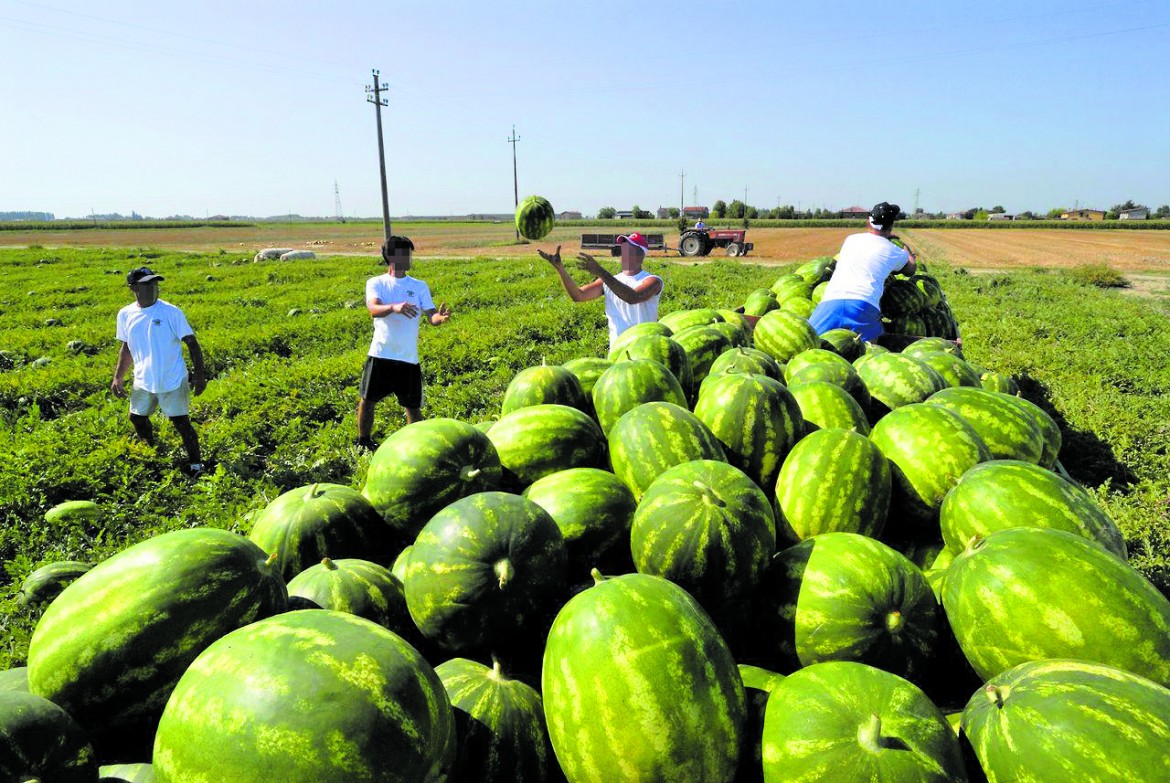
x=1000, y=216
x=956, y=216
x=1137, y=213
x=854, y=212
x=569, y=215
x=663, y=213
x=696, y=212
x=1083, y=214
x=624, y=214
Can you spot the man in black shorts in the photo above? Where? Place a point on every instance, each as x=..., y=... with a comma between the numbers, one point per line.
x=395, y=301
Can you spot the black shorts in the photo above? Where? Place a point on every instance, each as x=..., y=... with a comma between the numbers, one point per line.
x=383, y=377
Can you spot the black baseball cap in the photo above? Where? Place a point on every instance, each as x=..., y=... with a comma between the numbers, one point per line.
x=883, y=215
x=142, y=275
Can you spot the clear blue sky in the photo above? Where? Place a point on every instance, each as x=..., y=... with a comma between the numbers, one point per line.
x=258, y=107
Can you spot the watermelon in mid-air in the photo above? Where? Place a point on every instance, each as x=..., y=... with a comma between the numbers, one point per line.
x=535, y=217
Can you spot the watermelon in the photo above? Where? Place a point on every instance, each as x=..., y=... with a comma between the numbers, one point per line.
x=484, y=572
x=1048, y=428
x=535, y=441
x=399, y=567
x=828, y=406
x=587, y=370
x=847, y=597
x=639, y=330
x=639, y=686
x=845, y=342
x=750, y=360
x=655, y=436
x=998, y=381
x=535, y=217
x=594, y=511
x=833, y=480
x=46, y=583
x=685, y=319
x=702, y=345
x=791, y=286
x=756, y=421
x=1069, y=720
x=1026, y=594
x=782, y=335
x=894, y=380
x=810, y=357
x=111, y=647
x=306, y=524
x=1002, y=494
x=663, y=350
x=930, y=288
x=707, y=527
x=901, y=298
x=307, y=697
x=736, y=328
x=758, y=684
x=842, y=720
x=843, y=375
x=546, y=384
x=73, y=512
x=940, y=322
x=1008, y=431
x=358, y=587
x=499, y=723
x=816, y=270
x=126, y=773
x=427, y=465
x=40, y=741
x=818, y=292
x=626, y=385
x=759, y=302
x=929, y=448
x=928, y=345
x=799, y=306
x=953, y=370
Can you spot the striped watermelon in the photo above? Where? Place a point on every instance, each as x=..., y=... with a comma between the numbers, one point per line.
x=111, y=647
x=843, y=375
x=703, y=345
x=425, y=466
x=816, y=270
x=656, y=436
x=799, y=306
x=1070, y=720
x=1002, y=494
x=953, y=370
x=930, y=288
x=739, y=321
x=73, y=512
x=1048, y=428
x=929, y=448
x=998, y=381
x=791, y=286
x=46, y=583
x=851, y=722
x=535, y=217
x=1026, y=594
x=758, y=684
x=1008, y=431
x=500, y=725
x=538, y=440
x=845, y=342
x=747, y=360
x=894, y=380
x=306, y=524
x=587, y=370
x=847, y=597
x=40, y=741
x=663, y=350
x=833, y=480
x=484, y=572
x=594, y=510
x=755, y=419
x=639, y=330
x=738, y=335
x=399, y=567
x=828, y=406
x=811, y=357
x=357, y=587
x=782, y=335
x=928, y=345
x=940, y=322
x=685, y=319
x=759, y=302
x=543, y=385
x=901, y=298
x=626, y=385
x=639, y=686
x=707, y=527
x=307, y=697
x=818, y=292
x=907, y=325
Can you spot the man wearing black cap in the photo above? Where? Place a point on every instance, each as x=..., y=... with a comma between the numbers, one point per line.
x=152, y=333
x=853, y=296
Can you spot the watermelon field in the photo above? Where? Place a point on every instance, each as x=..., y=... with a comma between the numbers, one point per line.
x=691, y=558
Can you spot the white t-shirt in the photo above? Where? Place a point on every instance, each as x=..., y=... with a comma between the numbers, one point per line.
x=623, y=315
x=396, y=335
x=864, y=263
x=155, y=337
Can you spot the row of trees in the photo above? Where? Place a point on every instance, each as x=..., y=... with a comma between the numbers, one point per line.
x=738, y=210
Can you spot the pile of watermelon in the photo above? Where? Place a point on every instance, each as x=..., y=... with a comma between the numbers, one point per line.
x=730, y=550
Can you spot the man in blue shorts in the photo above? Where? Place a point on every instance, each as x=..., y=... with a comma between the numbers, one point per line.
x=395, y=301
x=853, y=296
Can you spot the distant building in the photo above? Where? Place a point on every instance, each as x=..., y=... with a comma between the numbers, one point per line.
x=1083, y=214
x=956, y=216
x=663, y=213
x=1000, y=216
x=569, y=215
x=1137, y=213
x=624, y=214
x=696, y=212
x=854, y=212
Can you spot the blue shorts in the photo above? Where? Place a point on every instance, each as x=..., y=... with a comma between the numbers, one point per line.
x=853, y=314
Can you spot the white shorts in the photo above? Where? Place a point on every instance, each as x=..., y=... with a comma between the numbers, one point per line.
x=176, y=402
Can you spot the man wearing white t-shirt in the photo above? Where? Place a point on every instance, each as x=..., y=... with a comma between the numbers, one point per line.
x=153, y=333
x=395, y=300
x=631, y=296
x=853, y=296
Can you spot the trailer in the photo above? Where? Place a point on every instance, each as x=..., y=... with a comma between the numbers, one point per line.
x=610, y=242
x=701, y=241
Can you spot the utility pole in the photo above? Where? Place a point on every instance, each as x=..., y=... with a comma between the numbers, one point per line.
x=337, y=204
x=916, y=192
x=515, y=182
x=374, y=96
x=745, y=201
x=682, y=178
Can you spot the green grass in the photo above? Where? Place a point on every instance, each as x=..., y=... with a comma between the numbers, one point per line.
x=278, y=412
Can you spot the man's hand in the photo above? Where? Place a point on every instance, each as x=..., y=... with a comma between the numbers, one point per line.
x=406, y=308
x=441, y=315
x=198, y=382
x=589, y=264
x=554, y=258
x=117, y=388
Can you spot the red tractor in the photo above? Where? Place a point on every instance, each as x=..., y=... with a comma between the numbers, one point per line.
x=700, y=241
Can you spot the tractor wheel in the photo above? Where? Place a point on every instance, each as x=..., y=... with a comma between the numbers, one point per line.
x=733, y=249
x=690, y=245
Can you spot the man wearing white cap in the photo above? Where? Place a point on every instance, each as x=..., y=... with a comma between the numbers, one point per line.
x=631, y=296
x=853, y=296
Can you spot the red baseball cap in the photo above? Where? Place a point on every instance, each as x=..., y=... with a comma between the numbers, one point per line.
x=635, y=239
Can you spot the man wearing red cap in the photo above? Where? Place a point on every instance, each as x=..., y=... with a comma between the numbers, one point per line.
x=631, y=296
